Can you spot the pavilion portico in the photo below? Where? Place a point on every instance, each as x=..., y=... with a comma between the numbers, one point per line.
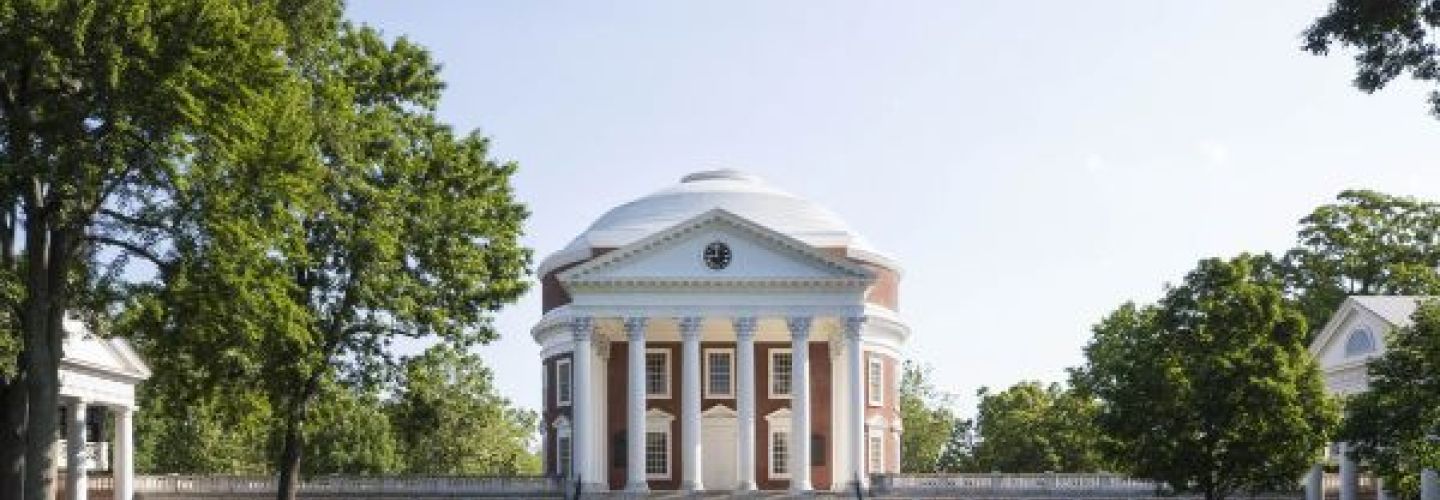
x=592, y=336
x=98, y=372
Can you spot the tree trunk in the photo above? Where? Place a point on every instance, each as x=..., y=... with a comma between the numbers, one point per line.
x=290, y=457
x=12, y=438
x=293, y=449
x=47, y=252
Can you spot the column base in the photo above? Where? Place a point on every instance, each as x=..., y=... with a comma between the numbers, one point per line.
x=633, y=487
x=692, y=487
x=801, y=487
x=745, y=486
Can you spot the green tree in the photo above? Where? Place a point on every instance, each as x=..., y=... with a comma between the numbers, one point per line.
x=102, y=106
x=450, y=419
x=959, y=453
x=349, y=433
x=1394, y=425
x=929, y=421
x=1366, y=243
x=1211, y=389
x=1391, y=39
x=1030, y=427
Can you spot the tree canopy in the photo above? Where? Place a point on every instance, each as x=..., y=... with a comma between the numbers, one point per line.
x=1390, y=39
x=1211, y=389
x=929, y=420
x=1030, y=427
x=1395, y=425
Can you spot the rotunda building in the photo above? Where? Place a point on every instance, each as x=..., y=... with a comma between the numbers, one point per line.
x=720, y=334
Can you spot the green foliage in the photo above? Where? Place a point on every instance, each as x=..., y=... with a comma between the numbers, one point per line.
x=929, y=421
x=349, y=433
x=450, y=419
x=1366, y=243
x=1033, y=428
x=1395, y=426
x=959, y=453
x=1391, y=39
x=1211, y=389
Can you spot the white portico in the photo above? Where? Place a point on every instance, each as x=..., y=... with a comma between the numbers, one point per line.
x=740, y=337
x=98, y=373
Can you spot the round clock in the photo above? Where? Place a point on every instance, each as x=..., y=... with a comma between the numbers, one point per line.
x=717, y=255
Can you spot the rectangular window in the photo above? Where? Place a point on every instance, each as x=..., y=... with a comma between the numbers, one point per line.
x=780, y=372
x=657, y=454
x=657, y=373
x=562, y=382
x=875, y=381
x=562, y=456
x=719, y=373
x=779, y=454
x=876, y=453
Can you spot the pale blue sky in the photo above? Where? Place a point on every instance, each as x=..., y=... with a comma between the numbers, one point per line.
x=1031, y=164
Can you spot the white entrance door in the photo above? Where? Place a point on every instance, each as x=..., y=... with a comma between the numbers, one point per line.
x=718, y=440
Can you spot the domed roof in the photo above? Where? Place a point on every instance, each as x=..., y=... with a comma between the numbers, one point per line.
x=737, y=192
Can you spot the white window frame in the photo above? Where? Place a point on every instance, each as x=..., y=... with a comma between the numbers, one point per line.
x=770, y=377
x=875, y=455
x=657, y=421
x=664, y=374
x=875, y=380
x=709, y=394
x=563, y=454
x=780, y=436
x=563, y=398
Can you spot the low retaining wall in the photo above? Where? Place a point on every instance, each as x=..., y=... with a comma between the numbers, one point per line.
x=168, y=487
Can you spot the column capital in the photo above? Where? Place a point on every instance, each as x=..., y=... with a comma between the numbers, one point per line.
x=852, y=327
x=799, y=325
x=635, y=326
x=583, y=327
x=745, y=326
x=690, y=326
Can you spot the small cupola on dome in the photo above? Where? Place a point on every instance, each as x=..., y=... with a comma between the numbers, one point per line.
x=726, y=174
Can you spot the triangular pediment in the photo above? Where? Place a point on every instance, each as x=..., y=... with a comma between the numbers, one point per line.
x=756, y=254
x=86, y=351
x=1350, y=319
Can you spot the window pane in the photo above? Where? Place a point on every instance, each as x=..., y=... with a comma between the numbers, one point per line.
x=875, y=382
x=562, y=456
x=655, y=373
x=877, y=450
x=720, y=373
x=780, y=453
x=656, y=454
x=780, y=374
x=562, y=382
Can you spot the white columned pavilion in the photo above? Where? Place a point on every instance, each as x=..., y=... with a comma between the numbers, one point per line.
x=98, y=372
x=760, y=336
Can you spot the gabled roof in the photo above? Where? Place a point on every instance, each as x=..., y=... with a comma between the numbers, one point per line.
x=1395, y=309
x=87, y=351
x=844, y=270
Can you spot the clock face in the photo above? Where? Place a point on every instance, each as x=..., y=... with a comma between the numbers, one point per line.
x=717, y=255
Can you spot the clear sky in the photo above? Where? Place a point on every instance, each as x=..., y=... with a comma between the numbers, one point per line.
x=1031, y=164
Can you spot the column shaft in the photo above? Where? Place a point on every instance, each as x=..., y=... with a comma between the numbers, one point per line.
x=1349, y=479
x=1315, y=483
x=76, y=487
x=800, y=403
x=690, y=454
x=581, y=432
x=124, y=461
x=745, y=385
x=855, y=401
x=635, y=408
x=1429, y=485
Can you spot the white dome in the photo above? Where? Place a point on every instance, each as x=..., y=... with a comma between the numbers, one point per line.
x=737, y=192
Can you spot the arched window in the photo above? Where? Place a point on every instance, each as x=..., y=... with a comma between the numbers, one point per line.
x=1361, y=341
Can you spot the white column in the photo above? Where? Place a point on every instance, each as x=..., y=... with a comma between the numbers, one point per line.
x=1429, y=485
x=124, y=460
x=799, y=403
x=635, y=407
x=75, y=484
x=1315, y=483
x=855, y=402
x=745, y=382
x=582, y=431
x=1349, y=480
x=690, y=404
